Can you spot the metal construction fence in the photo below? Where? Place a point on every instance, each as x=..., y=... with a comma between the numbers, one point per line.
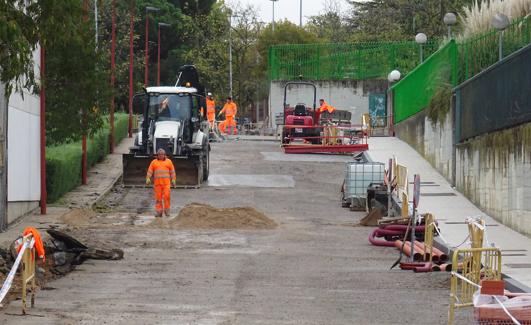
x=413, y=93
x=495, y=99
x=354, y=61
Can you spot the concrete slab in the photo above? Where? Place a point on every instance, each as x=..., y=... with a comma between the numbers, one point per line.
x=280, y=156
x=454, y=209
x=267, y=181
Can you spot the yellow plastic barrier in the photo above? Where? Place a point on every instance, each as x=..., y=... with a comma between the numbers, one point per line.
x=429, y=221
x=28, y=274
x=405, y=206
x=402, y=184
x=469, y=266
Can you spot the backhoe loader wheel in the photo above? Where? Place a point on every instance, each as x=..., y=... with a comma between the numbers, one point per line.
x=206, y=161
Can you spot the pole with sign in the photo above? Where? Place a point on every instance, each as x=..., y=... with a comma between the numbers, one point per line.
x=416, y=197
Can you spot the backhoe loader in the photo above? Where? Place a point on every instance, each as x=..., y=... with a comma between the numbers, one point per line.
x=171, y=120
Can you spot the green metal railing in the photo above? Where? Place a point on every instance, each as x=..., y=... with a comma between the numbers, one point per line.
x=480, y=52
x=342, y=61
x=467, y=59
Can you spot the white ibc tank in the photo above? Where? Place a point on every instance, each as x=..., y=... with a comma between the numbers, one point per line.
x=358, y=176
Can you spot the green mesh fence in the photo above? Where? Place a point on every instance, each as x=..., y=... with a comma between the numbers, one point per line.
x=455, y=64
x=341, y=61
x=478, y=53
x=413, y=93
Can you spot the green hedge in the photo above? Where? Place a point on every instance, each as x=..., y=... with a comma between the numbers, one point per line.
x=63, y=162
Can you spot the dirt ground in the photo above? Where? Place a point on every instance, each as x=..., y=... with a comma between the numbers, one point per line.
x=313, y=268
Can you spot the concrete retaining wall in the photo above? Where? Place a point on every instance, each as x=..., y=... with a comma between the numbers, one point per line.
x=349, y=95
x=493, y=170
x=432, y=140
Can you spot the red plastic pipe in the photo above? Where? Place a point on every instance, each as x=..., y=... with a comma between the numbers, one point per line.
x=422, y=246
x=381, y=233
x=402, y=228
x=424, y=268
x=411, y=266
x=407, y=249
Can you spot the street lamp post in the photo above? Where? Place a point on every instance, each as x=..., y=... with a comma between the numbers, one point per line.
x=230, y=56
x=449, y=20
x=421, y=39
x=158, y=51
x=146, y=54
x=300, y=14
x=393, y=77
x=500, y=22
x=273, y=24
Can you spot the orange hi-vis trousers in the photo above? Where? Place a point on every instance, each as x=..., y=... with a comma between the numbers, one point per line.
x=229, y=121
x=162, y=197
x=211, y=117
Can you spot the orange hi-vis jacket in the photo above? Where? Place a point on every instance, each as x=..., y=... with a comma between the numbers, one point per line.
x=162, y=172
x=230, y=109
x=326, y=107
x=211, y=109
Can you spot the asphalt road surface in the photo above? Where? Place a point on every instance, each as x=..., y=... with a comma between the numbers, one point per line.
x=317, y=267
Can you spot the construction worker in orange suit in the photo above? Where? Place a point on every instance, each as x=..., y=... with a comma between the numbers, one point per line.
x=324, y=106
x=163, y=173
x=230, y=109
x=211, y=110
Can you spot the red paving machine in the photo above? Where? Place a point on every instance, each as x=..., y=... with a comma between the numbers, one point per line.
x=306, y=130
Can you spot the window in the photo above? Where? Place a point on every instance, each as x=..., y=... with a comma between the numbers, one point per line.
x=170, y=107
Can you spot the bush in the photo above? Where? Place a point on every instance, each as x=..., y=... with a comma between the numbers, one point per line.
x=63, y=162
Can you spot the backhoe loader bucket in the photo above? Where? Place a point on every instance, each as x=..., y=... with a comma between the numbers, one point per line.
x=188, y=171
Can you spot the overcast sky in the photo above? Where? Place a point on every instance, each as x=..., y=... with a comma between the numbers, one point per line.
x=287, y=8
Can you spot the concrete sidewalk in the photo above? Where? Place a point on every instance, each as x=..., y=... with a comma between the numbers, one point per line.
x=451, y=209
x=101, y=179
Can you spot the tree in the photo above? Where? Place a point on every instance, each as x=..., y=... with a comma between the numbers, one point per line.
x=329, y=26
x=77, y=72
x=18, y=39
x=395, y=20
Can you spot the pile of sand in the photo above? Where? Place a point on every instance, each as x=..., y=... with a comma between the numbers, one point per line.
x=203, y=216
x=78, y=217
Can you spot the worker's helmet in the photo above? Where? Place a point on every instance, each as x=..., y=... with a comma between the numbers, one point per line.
x=209, y=94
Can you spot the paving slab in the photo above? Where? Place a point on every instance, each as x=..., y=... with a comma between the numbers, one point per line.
x=453, y=208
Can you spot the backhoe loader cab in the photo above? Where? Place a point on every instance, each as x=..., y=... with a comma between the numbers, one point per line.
x=171, y=120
